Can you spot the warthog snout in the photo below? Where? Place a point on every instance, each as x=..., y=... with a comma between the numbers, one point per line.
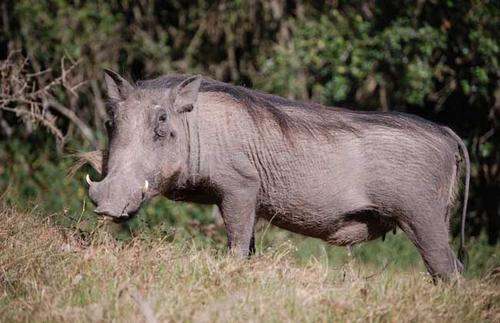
x=117, y=198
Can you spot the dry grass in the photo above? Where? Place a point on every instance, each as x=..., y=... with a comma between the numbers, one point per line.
x=48, y=274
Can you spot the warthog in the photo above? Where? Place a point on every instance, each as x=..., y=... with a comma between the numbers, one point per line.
x=338, y=175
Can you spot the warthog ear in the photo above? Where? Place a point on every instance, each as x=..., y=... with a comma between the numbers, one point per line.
x=118, y=87
x=186, y=94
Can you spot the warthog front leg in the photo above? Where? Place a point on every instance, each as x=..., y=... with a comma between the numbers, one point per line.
x=217, y=216
x=238, y=212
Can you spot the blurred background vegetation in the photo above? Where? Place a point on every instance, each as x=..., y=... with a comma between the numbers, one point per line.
x=436, y=59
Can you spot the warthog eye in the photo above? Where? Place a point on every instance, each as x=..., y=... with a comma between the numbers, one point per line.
x=162, y=129
x=109, y=126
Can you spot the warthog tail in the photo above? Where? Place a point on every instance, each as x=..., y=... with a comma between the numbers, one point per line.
x=462, y=252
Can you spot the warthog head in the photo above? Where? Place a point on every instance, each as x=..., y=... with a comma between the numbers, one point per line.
x=147, y=146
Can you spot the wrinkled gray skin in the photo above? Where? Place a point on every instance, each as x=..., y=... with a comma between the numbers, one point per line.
x=337, y=175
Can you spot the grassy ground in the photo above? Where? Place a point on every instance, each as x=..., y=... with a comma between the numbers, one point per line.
x=52, y=273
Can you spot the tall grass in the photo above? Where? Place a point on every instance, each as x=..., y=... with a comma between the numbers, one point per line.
x=51, y=273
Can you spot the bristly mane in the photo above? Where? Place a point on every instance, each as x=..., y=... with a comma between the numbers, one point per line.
x=261, y=105
x=321, y=120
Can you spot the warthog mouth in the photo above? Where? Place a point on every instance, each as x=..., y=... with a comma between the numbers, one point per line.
x=124, y=217
x=109, y=211
x=121, y=219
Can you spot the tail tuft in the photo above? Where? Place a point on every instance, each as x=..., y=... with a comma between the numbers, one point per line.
x=462, y=253
x=95, y=158
x=463, y=256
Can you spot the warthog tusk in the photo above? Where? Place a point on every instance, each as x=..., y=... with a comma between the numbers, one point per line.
x=145, y=187
x=89, y=181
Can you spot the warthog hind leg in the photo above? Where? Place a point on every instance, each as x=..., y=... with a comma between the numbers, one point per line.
x=430, y=236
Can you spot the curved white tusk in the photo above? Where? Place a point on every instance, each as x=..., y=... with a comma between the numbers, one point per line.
x=89, y=181
x=145, y=187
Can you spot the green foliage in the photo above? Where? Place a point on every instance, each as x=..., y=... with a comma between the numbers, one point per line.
x=56, y=29
x=411, y=53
